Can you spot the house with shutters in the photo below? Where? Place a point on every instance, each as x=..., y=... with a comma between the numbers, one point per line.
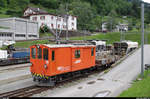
x=65, y=22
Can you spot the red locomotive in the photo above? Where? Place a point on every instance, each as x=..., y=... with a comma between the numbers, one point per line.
x=53, y=63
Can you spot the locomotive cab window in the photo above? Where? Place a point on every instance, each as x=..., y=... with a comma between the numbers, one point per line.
x=92, y=51
x=45, y=54
x=33, y=52
x=77, y=54
x=53, y=55
x=39, y=53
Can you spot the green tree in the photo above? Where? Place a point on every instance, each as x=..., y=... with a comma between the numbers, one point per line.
x=44, y=29
x=16, y=7
x=112, y=21
x=84, y=12
x=54, y=4
x=3, y=3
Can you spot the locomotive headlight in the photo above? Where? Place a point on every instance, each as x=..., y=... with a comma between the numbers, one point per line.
x=45, y=66
x=31, y=64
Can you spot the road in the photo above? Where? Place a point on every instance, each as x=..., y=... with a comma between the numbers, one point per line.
x=113, y=82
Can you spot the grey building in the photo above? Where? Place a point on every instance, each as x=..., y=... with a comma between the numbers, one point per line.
x=18, y=29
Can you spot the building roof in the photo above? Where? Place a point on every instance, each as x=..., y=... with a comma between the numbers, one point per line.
x=51, y=14
x=42, y=12
x=15, y=18
x=6, y=31
x=37, y=10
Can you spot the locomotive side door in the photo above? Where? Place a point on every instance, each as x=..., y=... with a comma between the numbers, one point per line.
x=53, y=61
x=76, y=59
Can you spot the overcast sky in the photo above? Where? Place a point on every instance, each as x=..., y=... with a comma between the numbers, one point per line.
x=148, y=1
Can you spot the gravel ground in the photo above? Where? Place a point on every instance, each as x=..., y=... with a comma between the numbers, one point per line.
x=15, y=77
x=113, y=82
x=14, y=66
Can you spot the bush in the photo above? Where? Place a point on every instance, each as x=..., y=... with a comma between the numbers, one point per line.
x=44, y=29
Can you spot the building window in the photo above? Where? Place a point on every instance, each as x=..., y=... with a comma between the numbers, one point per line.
x=72, y=18
x=20, y=35
x=5, y=35
x=45, y=54
x=77, y=54
x=53, y=55
x=92, y=51
x=59, y=19
x=52, y=17
x=39, y=53
x=34, y=18
x=32, y=35
x=72, y=24
x=58, y=25
x=33, y=52
x=63, y=20
x=42, y=17
x=9, y=35
x=52, y=25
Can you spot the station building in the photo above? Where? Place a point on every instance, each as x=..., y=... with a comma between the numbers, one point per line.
x=18, y=29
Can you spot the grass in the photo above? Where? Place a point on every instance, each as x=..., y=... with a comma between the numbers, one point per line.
x=1, y=27
x=45, y=35
x=139, y=88
x=4, y=16
x=111, y=37
x=27, y=44
x=3, y=13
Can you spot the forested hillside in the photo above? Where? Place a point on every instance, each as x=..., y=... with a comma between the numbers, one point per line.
x=90, y=13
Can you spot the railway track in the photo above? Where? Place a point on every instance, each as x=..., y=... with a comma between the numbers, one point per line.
x=29, y=91
x=24, y=92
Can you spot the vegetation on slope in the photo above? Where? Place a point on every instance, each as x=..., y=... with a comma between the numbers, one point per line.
x=139, y=88
x=91, y=13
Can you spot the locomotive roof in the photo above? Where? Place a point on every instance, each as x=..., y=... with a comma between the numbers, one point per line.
x=66, y=45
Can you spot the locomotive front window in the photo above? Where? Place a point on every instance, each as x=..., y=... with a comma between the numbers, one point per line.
x=92, y=52
x=45, y=54
x=33, y=52
x=77, y=54
x=53, y=55
x=39, y=53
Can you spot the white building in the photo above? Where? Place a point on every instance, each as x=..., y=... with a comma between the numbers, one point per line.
x=123, y=27
x=104, y=27
x=54, y=21
x=51, y=20
x=18, y=29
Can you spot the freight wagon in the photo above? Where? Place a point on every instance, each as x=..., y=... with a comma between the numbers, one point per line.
x=15, y=57
x=124, y=47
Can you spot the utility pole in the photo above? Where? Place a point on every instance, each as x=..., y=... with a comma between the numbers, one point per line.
x=146, y=36
x=67, y=22
x=56, y=29
x=121, y=34
x=142, y=40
